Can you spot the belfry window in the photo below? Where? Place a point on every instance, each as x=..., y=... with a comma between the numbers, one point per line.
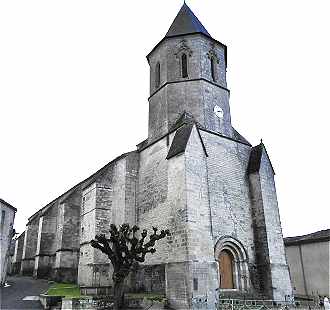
x=184, y=65
x=213, y=70
x=157, y=75
x=3, y=217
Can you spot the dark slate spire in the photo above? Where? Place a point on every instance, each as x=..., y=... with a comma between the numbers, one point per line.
x=186, y=22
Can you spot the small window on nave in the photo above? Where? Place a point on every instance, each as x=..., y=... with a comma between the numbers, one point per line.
x=184, y=65
x=157, y=75
x=3, y=217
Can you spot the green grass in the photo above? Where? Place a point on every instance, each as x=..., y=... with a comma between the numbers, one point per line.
x=149, y=296
x=64, y=289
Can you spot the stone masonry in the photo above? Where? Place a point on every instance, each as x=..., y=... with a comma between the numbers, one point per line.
x=194, y=175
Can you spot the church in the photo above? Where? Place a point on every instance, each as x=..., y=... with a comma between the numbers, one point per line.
x=194, y=175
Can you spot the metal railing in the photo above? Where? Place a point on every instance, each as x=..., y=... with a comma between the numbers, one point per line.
x=240, y=304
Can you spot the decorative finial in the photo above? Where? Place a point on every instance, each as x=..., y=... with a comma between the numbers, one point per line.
x=261, y=141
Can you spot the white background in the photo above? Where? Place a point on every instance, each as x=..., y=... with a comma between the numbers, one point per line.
x=74, y=84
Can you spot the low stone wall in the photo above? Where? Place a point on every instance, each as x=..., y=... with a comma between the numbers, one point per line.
x=233, y=304
x=94, y=303
x=105, y=303
x=48, y=302
x=99, y=290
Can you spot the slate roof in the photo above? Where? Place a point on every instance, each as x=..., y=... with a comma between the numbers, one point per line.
x=319, y=236
x=8, y=204
x=185, y=23
x=183, y=127
x=180, y=141
x=239, y=137
x=255, y=158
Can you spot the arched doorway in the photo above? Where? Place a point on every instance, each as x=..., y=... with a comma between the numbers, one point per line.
x=226, y=270
x=232, y=264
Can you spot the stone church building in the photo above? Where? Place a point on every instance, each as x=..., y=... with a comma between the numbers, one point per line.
x=194, y=175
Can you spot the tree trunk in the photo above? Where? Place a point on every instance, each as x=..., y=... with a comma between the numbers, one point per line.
x=118, y=294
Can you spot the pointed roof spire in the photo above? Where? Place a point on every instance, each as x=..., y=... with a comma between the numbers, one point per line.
x=185, y=23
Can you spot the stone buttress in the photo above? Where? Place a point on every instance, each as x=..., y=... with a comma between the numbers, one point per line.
x=18, y=253
x=30, y=246
x=110, y=198
x=274, y=278
x=68, y=239
x=46, y=242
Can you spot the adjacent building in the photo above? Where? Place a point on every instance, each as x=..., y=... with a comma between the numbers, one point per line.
x=309, y=263
x=6, y=236
x=194, y=175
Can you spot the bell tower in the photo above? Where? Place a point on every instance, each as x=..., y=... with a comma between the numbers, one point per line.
x=188, y=74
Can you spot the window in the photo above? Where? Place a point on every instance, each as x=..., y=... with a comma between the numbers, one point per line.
x=3, y=216
x=184, y=65
x=213, y=69
x=195, y=282
x=157, y=75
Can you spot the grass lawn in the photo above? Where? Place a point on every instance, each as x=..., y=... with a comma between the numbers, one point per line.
x=72, y=290
x=149, y=296
x=64, y=289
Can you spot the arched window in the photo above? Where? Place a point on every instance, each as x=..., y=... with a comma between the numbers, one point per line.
x=184, y=65
x=213, y=70
x=226, y=270
x=157, y=75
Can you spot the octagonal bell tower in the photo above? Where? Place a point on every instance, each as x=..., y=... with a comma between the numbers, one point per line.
x=188, y=74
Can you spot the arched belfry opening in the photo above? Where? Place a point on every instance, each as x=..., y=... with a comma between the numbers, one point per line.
x=232, y=264
x=213, y=69
x=157, y=75
x=184, y=65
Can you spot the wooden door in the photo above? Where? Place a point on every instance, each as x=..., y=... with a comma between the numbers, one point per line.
x=226, y=270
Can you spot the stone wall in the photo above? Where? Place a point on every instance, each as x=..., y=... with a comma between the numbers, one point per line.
x=309, y=267
x=230, y=203
x=148, y=278
x=162, y=203
x=203, y=279
x=110, y=199
x=46, y=242
x=65, y=268
x=6, y=233
x=279, y=268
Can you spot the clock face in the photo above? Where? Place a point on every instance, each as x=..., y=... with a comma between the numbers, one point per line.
x=218, y=111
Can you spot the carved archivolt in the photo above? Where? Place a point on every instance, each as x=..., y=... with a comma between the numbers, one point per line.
x=213, y=55
x=241, y=274
x=183, y=49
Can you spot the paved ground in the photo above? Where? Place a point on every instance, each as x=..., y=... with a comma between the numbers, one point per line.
x=11, y=298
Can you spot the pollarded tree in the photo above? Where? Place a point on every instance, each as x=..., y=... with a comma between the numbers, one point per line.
x=124, y=248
